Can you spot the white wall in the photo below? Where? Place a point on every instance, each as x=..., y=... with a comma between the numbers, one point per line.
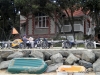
x=52, y=27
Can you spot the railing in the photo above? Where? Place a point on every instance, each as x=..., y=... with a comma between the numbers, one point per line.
x=7, y=44
x=68, y=28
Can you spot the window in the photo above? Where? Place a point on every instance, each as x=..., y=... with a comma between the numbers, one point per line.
x=41, y=22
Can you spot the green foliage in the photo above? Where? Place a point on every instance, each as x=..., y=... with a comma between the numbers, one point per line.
x=87, y=37
x=52, y=9
x=93, y=6
x=8, y=13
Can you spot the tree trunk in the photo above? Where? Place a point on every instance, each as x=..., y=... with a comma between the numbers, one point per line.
x=72, y=24
x=71, y=20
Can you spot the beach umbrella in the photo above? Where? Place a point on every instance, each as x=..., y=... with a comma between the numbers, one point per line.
x=14, y=31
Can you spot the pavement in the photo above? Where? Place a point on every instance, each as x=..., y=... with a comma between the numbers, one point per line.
x=60, y=48
x=52, y=48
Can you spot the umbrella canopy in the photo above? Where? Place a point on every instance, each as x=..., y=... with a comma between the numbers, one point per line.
x=14, y=31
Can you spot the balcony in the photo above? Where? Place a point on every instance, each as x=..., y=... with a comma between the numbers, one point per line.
x=68, y=28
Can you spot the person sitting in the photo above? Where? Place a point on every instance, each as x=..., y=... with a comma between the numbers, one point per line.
x=24, y=39
x=37, y=43
x=44, y=43
x=31, y=42
x=67, y=44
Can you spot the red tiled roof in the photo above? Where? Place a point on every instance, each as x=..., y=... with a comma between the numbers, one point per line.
x=77, y=13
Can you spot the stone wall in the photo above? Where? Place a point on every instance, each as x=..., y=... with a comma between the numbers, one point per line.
x=90, y=59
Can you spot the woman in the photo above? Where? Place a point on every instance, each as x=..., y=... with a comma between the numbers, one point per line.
x=31, y=42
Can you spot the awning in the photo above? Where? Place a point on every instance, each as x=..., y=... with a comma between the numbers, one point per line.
x=22, y=19
x=14, y=31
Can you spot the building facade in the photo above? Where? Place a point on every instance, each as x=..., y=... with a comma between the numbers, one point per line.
x=40, y=25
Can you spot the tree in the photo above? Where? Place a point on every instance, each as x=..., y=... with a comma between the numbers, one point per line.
x=58, y=9
x=68, y=7
x=27, y=6
x=46, y=7
x=5, y=11
x=93, y=6
x=62, y=9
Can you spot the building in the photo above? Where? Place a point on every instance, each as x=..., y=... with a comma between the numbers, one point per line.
x=40, y=25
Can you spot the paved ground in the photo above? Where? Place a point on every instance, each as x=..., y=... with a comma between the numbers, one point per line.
x=60, y=48
x=53, y=48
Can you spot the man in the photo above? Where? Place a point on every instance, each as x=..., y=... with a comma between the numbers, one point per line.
x=24, y=39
